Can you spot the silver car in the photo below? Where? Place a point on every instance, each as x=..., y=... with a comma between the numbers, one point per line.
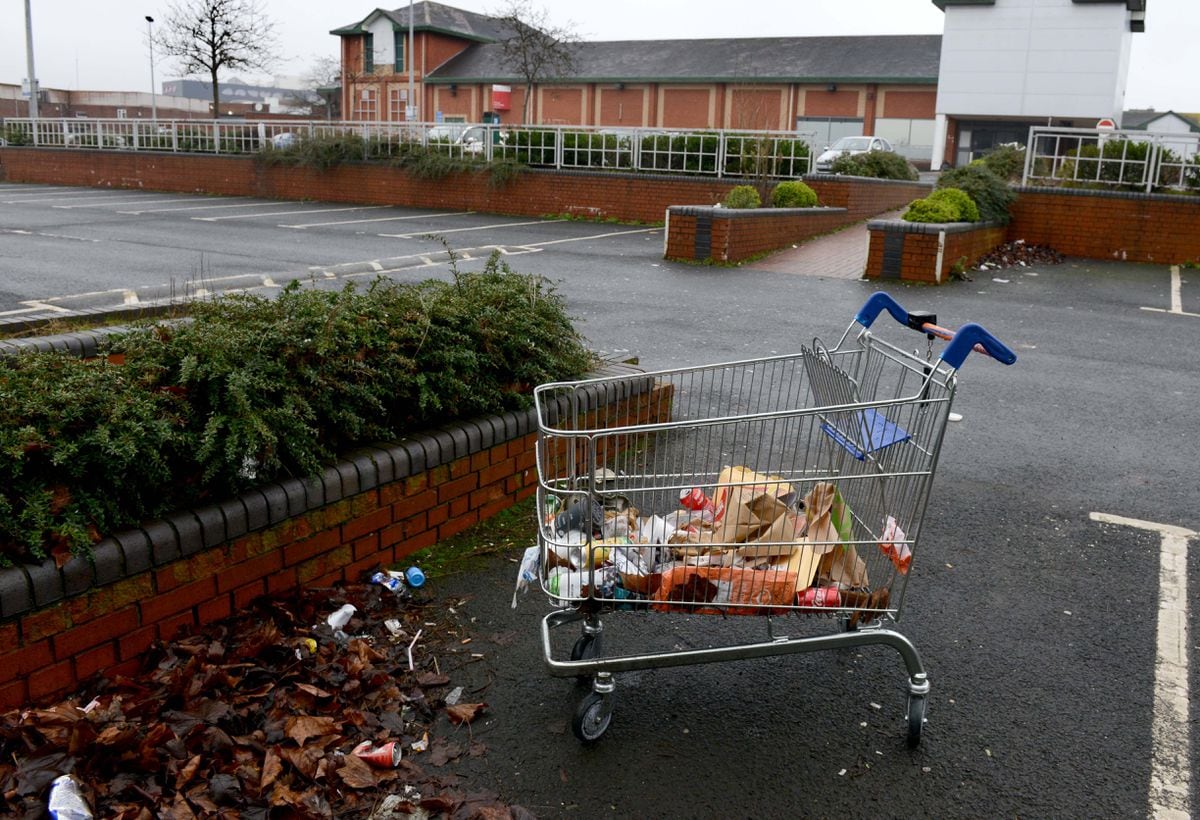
x=850, y=145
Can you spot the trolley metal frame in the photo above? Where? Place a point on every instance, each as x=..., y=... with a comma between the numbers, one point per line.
x=863, y=415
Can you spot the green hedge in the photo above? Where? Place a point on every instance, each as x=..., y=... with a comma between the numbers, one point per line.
x=255, y=389
x=877, y=164
x=741, y=197
x=793, y=194
x=943, y=205
x=990, y=193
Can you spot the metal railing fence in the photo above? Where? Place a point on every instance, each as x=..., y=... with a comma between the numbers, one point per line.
x=1132, y=160
x=719, y=153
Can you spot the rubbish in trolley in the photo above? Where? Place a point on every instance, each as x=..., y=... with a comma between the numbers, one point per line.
x=789, y=485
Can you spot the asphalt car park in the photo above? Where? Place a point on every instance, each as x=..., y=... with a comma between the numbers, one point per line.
x=1051, y=594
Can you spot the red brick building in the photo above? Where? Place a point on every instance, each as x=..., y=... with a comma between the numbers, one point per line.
x=885, y=85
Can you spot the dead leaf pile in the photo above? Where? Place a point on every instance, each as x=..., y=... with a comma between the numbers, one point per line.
x=244, y=719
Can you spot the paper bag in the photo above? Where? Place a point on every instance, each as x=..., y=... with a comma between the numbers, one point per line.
x=744, y=503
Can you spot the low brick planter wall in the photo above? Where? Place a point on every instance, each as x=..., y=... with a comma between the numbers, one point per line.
x=1132, y=227
x=59, y=627
x=712, y=234
x=731, y=235
x=927, y=252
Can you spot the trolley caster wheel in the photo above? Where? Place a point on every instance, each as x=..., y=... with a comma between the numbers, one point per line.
x=916, y=719
x=592, y=717
x=586, y=648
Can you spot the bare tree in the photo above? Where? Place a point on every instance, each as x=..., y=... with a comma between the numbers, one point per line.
x=208, y=36
x=324, y=77
x=536, y=50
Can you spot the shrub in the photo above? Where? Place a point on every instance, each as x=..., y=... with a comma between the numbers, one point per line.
x=930, y=210
x=85, y=447
x=254, y=389
x=991, y=194
x=793, y=194
x=742, y=196
x=965, y=209
x=1005, y=161
x=878, y=164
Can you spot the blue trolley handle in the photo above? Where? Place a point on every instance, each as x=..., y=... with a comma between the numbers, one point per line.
x=969, y=337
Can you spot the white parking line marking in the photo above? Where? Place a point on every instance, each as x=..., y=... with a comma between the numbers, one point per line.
x=476, y=228
x=592, y=236
x=1171, y=759
x=107, y=203
x=20, y=232
x=1176, y=296
x=202, y=208
x=52, y=197
x=288, y=213
x=376, y=219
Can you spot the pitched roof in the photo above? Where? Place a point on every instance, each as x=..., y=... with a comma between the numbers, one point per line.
x=429, y=16
x=1140, y=119
x=895, y=58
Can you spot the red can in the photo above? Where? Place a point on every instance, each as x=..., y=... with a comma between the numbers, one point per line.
x=819, y=596
x=695, y=500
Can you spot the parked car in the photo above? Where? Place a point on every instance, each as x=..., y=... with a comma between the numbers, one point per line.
x=471, y=138
x=850, y=145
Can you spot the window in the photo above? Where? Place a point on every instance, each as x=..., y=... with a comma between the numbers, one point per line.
x=397, y=103
x=400, y=42
x=366, y=105
x=122, y=113
x=368, y=53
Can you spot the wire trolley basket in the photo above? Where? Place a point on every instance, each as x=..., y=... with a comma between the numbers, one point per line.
x=794, y=484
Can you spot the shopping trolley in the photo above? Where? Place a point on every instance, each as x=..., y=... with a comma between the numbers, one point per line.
x=794, y=484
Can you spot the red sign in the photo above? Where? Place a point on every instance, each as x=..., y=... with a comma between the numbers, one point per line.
x=501, y=97
x=1106, y=124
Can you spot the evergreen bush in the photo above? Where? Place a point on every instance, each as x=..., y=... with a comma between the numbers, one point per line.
x=742, y=196
x=991, y=194
x=793, y=194
x=254, y=389
x=877, y=164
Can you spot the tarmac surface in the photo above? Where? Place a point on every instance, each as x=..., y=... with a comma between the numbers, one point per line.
x=1039, y=624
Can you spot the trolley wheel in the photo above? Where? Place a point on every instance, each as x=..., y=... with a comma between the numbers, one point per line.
x=586, y=648
x=916, y=719
x=592, y=717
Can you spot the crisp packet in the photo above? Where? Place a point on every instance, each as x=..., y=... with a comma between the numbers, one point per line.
x=894, y=547
x=528, y=573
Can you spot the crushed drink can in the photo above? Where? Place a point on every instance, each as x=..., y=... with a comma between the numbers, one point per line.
x=386, y=756
x=819, y=596
x=387, y=580
x=695, y=500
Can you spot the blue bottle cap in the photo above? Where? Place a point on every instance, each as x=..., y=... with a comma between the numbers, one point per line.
x=415, y=577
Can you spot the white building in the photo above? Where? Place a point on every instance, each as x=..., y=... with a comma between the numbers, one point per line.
x=1010, y=64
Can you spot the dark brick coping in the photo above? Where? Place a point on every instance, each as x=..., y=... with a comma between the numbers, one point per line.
x=751, y=213
x=900, y=226
x=157, y=543
x=915, y=183
x=1182, y=199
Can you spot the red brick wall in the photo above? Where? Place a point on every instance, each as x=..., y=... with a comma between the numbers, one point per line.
x=1101, y=225
x=920, y=253
x=533, y=193
x=735, y=236
x=47, y=651
x=687, y=107
x=822, y=103
x=911, y=104
x=864, y=198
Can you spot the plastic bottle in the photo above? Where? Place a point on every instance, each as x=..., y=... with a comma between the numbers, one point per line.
x=414, y=577
x=66, y=800
x=338, y=620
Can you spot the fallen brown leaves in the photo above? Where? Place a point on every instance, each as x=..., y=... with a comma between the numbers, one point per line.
x=244, y=720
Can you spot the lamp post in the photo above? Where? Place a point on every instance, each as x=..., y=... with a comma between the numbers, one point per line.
x=153, y=90
x=33, y=83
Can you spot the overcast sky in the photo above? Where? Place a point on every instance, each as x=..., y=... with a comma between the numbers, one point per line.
x=101, y=44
